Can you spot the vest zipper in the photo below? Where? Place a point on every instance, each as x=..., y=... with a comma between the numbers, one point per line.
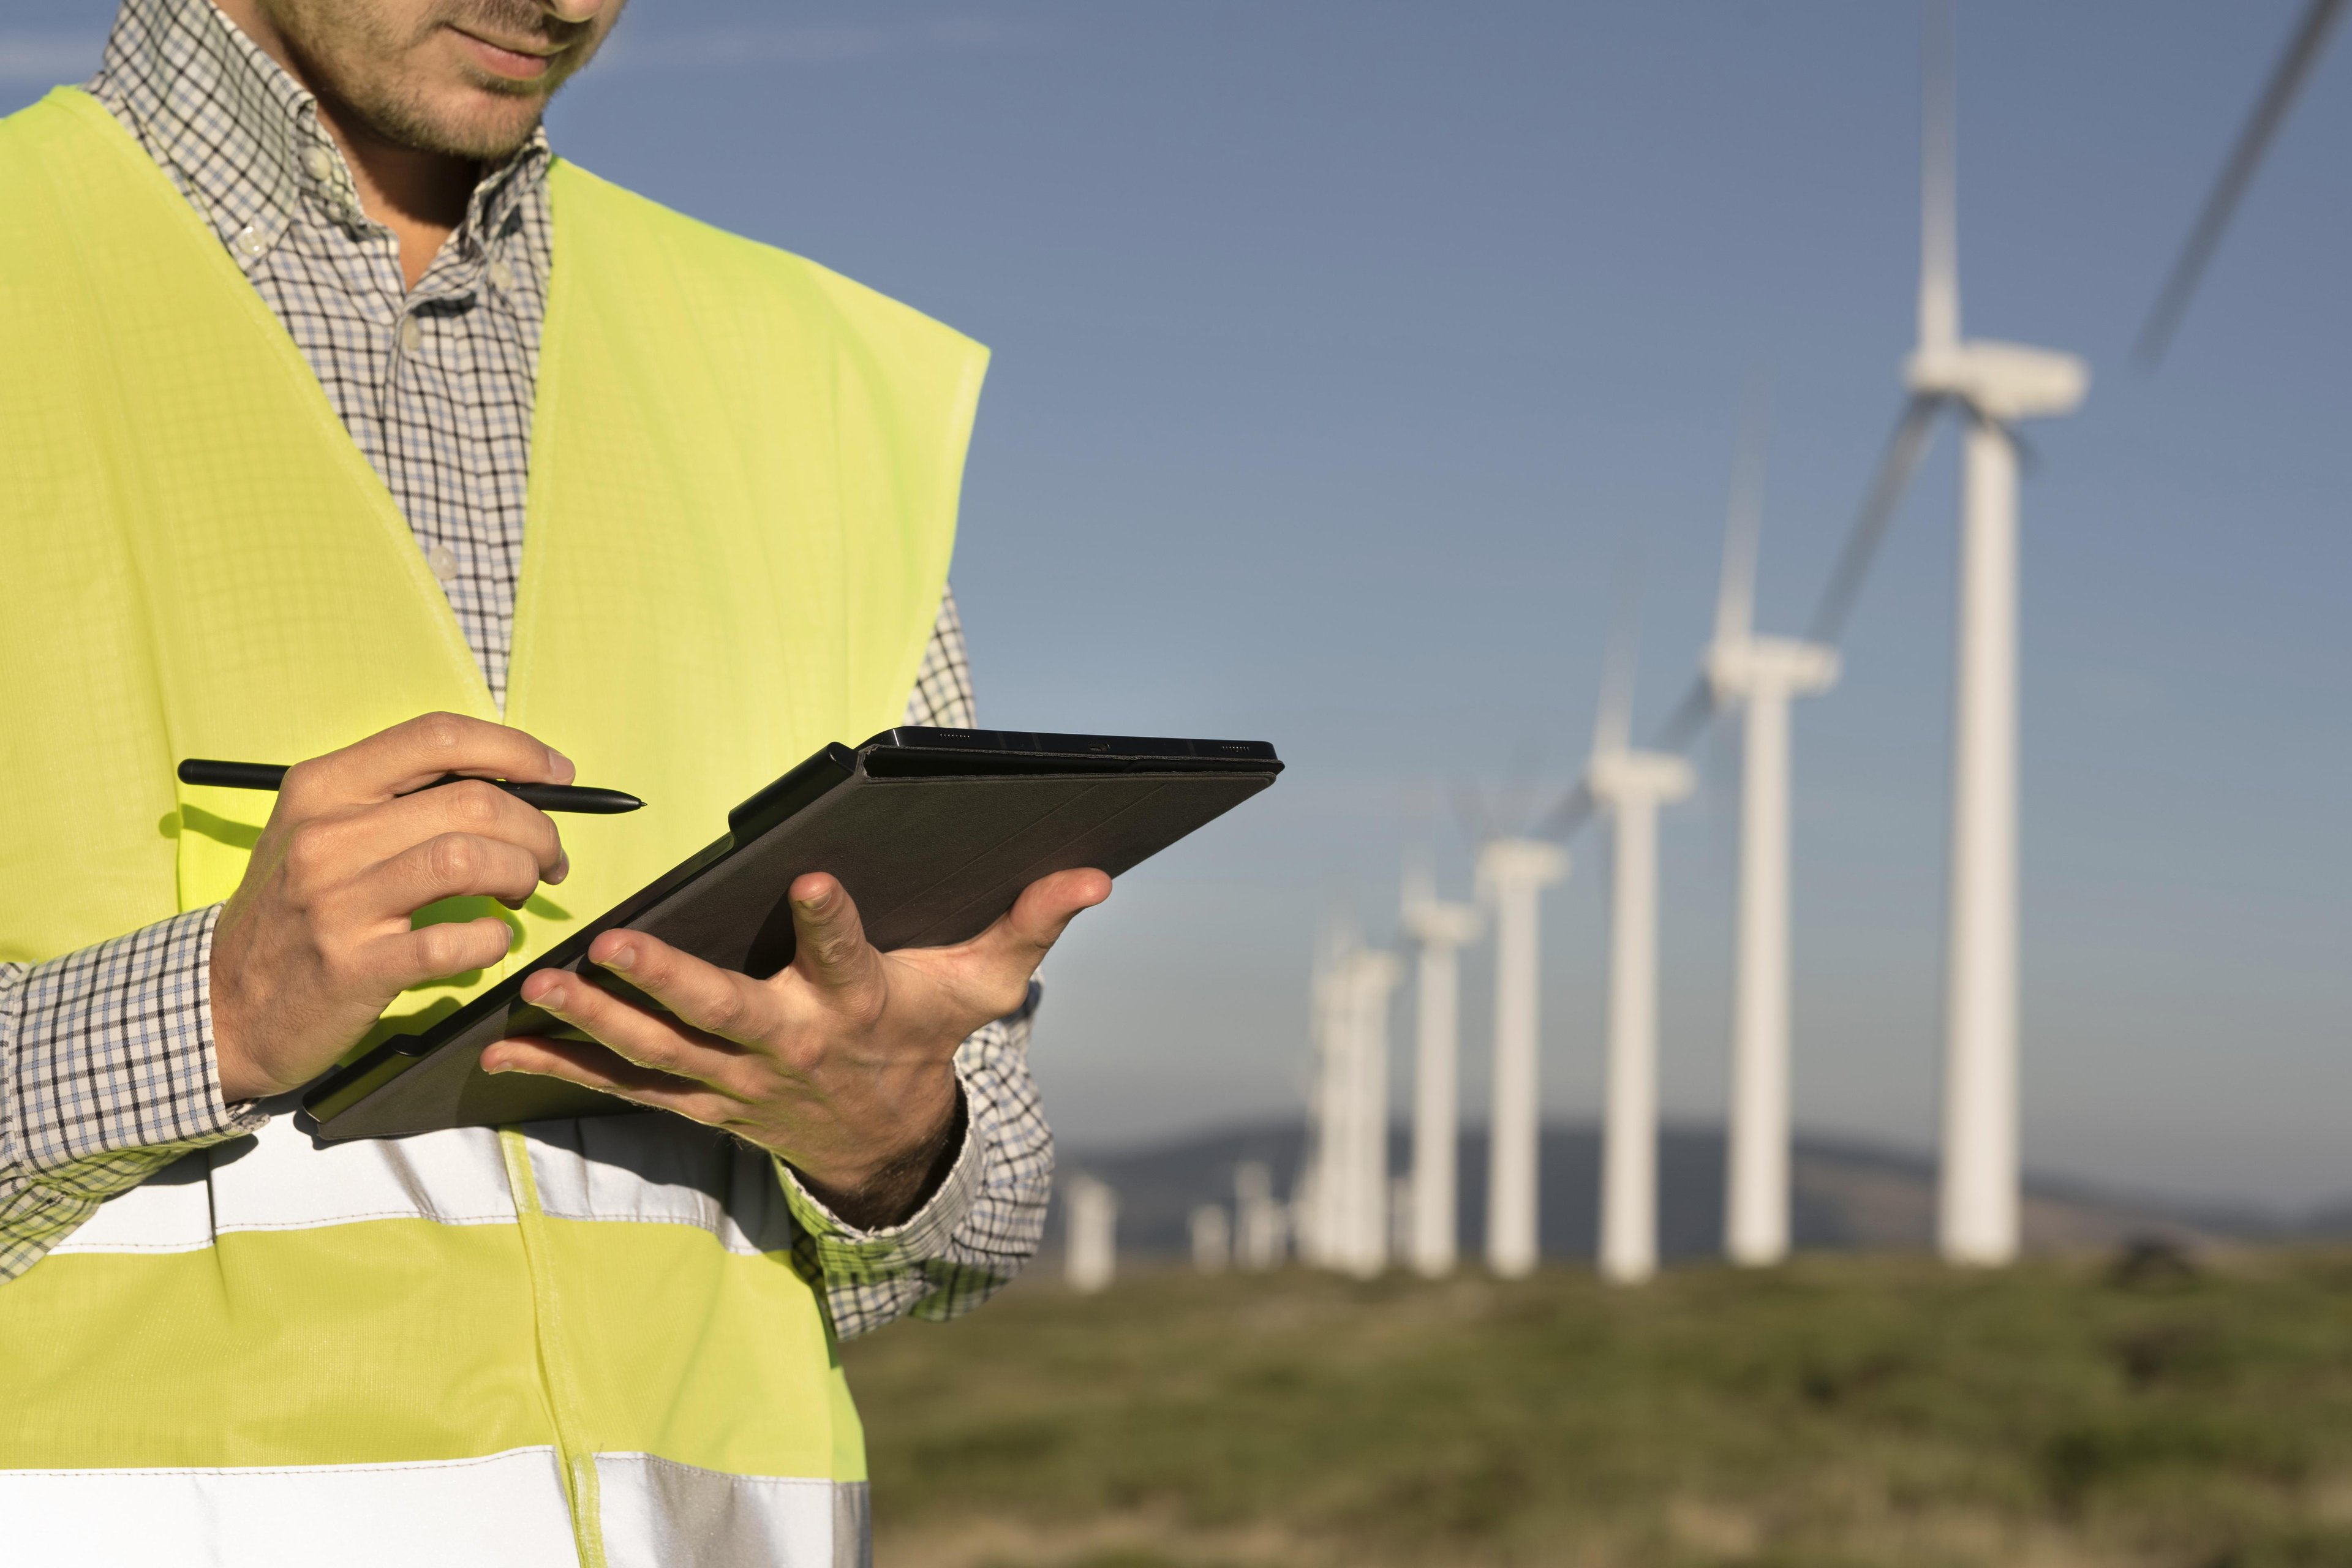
x=575, y=1461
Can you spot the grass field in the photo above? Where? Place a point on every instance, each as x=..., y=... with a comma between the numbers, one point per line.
x=1846, y=1411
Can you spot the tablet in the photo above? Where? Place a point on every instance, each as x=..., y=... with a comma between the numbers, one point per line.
x=933, y=832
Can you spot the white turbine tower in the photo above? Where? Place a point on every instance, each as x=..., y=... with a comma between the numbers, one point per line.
x=1441, y=929
x=1512, y=875
x=1369, y=977
x=1992, y=385
x=1321, y=1193
x=1092, y=1251
x=1757, y=677
x=1631, y=786
x=1346, y=1207
x=1257, y=1217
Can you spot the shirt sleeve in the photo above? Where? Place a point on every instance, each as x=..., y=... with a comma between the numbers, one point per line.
x=975, y=1233
x=107, y=1075
x=986, y=1217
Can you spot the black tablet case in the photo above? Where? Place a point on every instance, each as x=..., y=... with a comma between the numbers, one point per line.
x=933, y=832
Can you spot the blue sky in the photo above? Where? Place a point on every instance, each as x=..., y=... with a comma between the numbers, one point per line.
x=1341, y=348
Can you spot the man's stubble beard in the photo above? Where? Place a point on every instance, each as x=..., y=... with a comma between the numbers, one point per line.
x=408, y=119
x=347, y=57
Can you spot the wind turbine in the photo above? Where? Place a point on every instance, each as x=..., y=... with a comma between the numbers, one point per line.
x=1631, y=786
x=1991, y=386
x=1347, y=1197
x=1091, y=1256
x=1756, y=677
x=1441, y=929
x=1322, y=1189
x=1512, y=875
x=1368, y=979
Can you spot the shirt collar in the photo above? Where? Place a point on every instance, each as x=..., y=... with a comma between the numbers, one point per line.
x=242, y=137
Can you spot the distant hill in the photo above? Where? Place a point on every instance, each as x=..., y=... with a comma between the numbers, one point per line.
x=1848, y=1194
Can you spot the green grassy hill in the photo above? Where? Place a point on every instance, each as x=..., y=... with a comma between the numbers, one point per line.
x=1851, y=1410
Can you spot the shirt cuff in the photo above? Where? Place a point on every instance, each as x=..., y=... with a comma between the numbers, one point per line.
x=850, y=1256
x=114, y=1049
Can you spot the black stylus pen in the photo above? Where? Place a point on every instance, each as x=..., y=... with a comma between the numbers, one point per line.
x=546, y=797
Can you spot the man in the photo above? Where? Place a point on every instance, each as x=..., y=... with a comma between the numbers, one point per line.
x=342, y=423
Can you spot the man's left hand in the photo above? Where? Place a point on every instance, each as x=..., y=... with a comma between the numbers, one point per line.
x=842, y=1062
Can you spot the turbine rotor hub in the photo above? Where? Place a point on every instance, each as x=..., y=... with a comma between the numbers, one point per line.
x=1738, y=668
x=1621, y=778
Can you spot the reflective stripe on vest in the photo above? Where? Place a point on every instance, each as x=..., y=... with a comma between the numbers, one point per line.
x=579, y=1340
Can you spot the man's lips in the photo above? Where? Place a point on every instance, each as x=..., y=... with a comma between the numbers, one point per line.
x=517, y=65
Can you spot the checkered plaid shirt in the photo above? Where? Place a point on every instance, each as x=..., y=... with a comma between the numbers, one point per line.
x=106, y=1058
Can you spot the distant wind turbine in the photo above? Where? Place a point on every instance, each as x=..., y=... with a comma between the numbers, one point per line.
x=1322, y=1193
x=1091, y=1252
x=1368, y=978
x=1756, y=677
x=1441, y=929
x=1990, y=387
x=1348, y=1186
x=1630, y=786
x=1512, y=875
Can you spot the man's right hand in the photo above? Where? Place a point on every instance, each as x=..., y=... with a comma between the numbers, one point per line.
x=316, y=942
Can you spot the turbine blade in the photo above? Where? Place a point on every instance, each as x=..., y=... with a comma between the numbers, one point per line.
x=1470, y=811
x=1574, y=810
x=1905, y=447
x=2302, y=52
x=1722, y=788
x=1940, y=242
x=2235, y=177
x=1525, y=778
x=1419, y=878
x=1743, y=521
x=2029, y=460
x=1689, y=717
x=1612, y=724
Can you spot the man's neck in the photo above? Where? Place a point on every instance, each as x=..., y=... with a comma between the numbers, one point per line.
x=420, y=196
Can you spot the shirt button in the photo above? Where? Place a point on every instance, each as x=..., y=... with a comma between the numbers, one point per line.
x=319, y=162
x=444, y=562
x=412, y=335
x=250, y=241
x=501, y=275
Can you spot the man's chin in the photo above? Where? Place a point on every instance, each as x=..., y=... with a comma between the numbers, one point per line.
x=483, y=125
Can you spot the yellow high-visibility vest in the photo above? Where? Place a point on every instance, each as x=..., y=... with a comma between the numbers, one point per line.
x=574, y=1341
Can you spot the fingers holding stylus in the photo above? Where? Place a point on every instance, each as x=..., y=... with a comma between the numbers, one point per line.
x=415, y=754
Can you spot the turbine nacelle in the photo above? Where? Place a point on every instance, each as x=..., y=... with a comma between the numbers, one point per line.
x=1434, y=924
x=1519, y=862
x=1627, y=778
x=1371, y=972
x=1740, y=669
x=2001, y=382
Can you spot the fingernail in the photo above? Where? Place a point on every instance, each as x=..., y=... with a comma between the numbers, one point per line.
x=560, y=764
x=563, y=868
x=814, y=901
x=555, y=1000
x=623, y=958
